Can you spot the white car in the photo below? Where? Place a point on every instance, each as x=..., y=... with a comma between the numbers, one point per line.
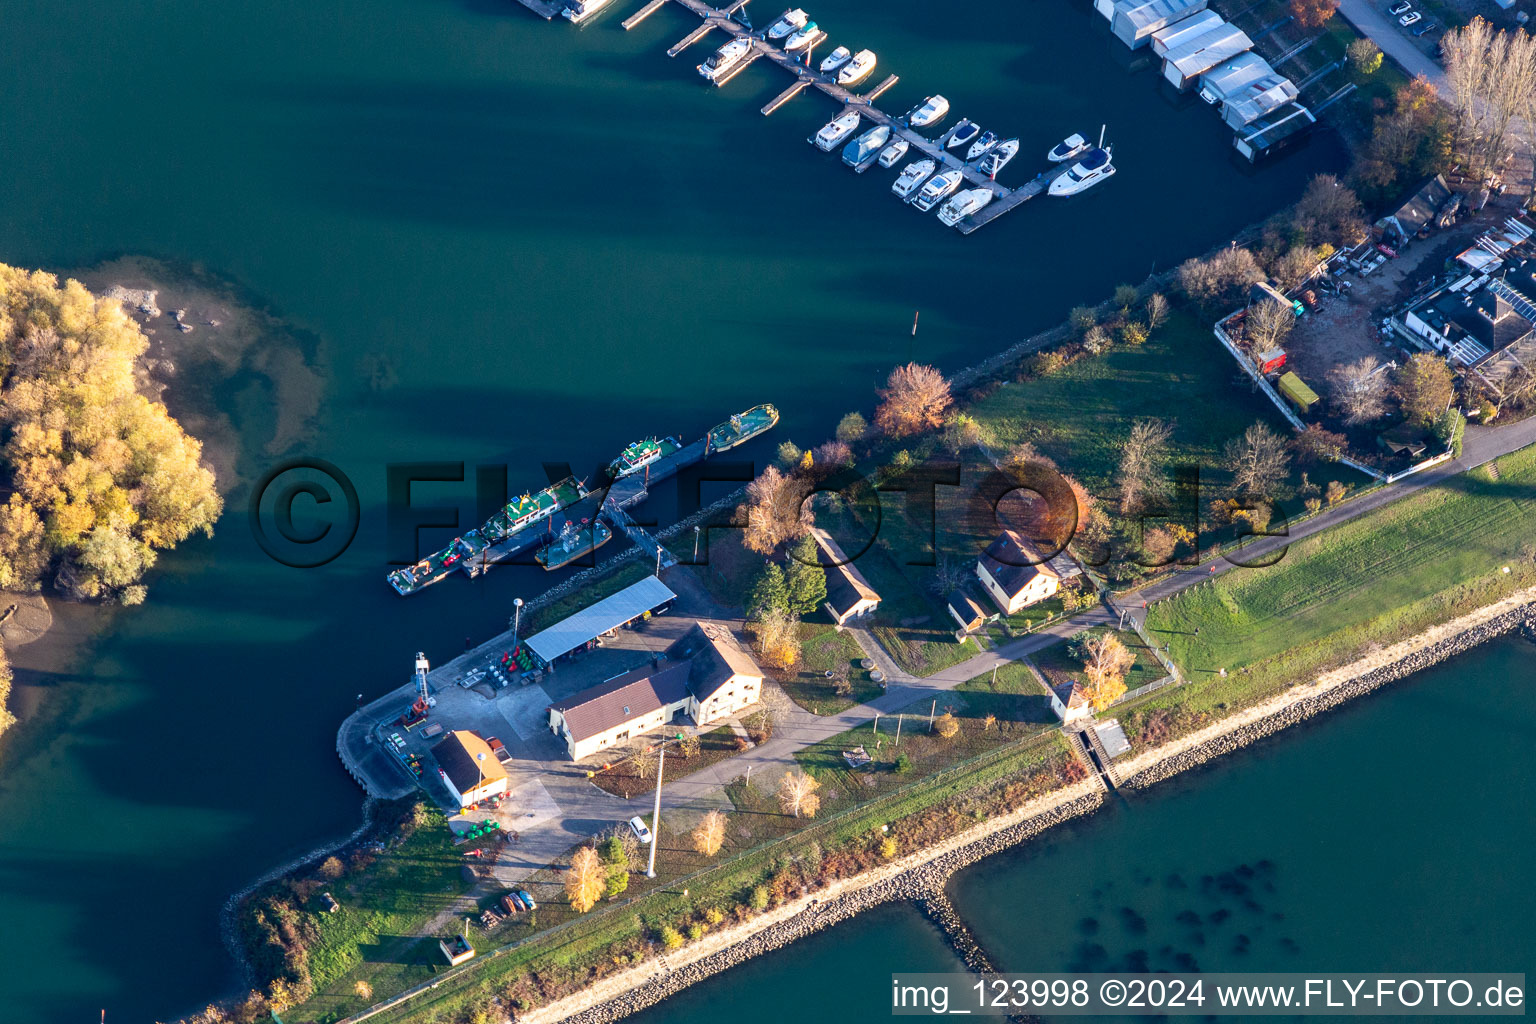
x=1409, y=18
x=1402, y=7
x=641, y=832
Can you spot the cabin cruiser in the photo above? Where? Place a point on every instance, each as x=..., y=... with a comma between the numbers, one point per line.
x=981, y=145
x=726, y=58
x=996, y=158
x=1086, y=173
x=964, y=204
x=965, y=132
x=836, y=130
x=939, y=187
x=857, y=69
x=804, y=36
x=792, y=21
x=894, y=152
x=932, y=109
x=913, y=175
x=580, y=10
x=1068, y=148
x=866, y=145
x=836, y=59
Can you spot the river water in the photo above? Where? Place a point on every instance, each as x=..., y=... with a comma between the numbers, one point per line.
x=510, y=242
x=1383, y=836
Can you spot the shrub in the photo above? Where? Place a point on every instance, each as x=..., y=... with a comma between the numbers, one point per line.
x=903, y=764
x=759, y=898
x=696, y=932
x=671, y=937
x=888, y=847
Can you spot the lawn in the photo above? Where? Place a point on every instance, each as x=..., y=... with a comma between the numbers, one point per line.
x=1387, y=575
x=824, y=648
x=725, y=566
x=1058, y=665
x=1013, y=694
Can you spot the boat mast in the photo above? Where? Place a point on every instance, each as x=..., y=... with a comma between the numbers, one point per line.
x=1101, y=135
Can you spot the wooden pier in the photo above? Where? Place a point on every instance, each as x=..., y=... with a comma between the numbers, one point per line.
x=1009, y=198
x=741, y=66
x=879, y=90
x=785, y=96
x=643, y=13
x=691, y=38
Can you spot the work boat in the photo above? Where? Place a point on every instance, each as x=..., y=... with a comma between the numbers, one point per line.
x=857, y=69
x=792, y=21
x=836, y=59
x=866, y=145
x=997, y=157
x=963, y=204
x=894, y=152
x=802, y=37
x=741, y=427
x=941, y=185
x=580, y=10
x=913, y=175
x=965, y=132
x=836, y=130
x=981, y=145
x=1086, y=173
x=727, y=57
x=1067, y=148
x=640, y=454
x=932, y=109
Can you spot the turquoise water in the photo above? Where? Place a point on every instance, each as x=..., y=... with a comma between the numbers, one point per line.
x=557, y=240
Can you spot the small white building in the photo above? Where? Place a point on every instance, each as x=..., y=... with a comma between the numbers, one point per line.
x=1257, y=98
x=849, y=595
x=1192, y=27
x=1070, y=703
x=1228, y=78
x=468, y=767
x=1015, y=574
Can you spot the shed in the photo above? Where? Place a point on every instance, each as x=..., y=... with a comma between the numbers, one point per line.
x=849, y=594
x=1192, y=27
x=607, y=615
x=1270, y=360
x=1134, y=25
x=1274, y=131
x=1296, y=390
x=1258, y=98
x=966, y=610
x=1228, y=77
x=1186, y=62
x=1417, y=212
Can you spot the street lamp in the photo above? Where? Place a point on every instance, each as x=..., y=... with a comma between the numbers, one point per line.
x=479, y=773
x=517, y=619
x=695, y=545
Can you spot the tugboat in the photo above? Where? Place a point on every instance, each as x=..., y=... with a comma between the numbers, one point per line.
x=741, y=427
x=640, y=454
x=573, y=541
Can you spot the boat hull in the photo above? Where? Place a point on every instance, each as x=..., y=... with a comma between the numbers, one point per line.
x=553, y=556
x=756, y=420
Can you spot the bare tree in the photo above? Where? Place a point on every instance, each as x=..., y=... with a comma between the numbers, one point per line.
x=1268, y=323
x=1258, y=460
x=1359, y=390
x=797, y=794
x=1424, y=386
x=1105, y=662
x=913, y=400
x=1329, y=212
x=585, y=880
x=709, y=834
x=1221, y=279
x=1141, y=464
x=1491, y=81
x=776, y=511
x=1157, y=310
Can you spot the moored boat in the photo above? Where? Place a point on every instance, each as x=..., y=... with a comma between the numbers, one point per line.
x=1092, y=169
x=727, y=57
x=932, y=109
x=963, y=204
x=940, y=186
x=858, y=69
x=965, y=132
x=639, y=454
x=836, y=130
x=572, y=542
x=911, y=176
x=998, y=156
x=789, y=21
x=1067, y=148
x=866, y=145
x=987, y=141
x=836, y=59
x=893, y=153
x=802, y=37
x=741, y=427
x=580, y=10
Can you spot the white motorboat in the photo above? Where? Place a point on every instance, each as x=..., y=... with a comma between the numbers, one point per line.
x=802, y=37
x=894, y=152
x=1086, y=173
x=938, y=187
x=998, y=156
x=836, y=59
x=866, y=145
x=963, y=204
x=932, y=109
x=580, y=10
x=981, y=145
x=726, y=58
x=965, y=132
x=1067, y=148
x=857, y=69
x=836, y=130
x=913, y=175
x=791, y=21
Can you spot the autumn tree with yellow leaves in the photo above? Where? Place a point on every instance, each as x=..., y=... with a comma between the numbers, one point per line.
x=1105, y=662
x=585, y=880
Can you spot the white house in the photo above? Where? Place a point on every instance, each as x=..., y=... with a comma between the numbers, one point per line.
x=468, y=767
x=1014, y=574
x=849, y=595
x=1070, y=703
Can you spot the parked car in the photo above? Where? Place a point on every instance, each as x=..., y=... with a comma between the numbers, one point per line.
x=523, y=894
x=1410, y=18
x=1423, y=27
x=329, y=902
x=642, y=833
x=1400, y=8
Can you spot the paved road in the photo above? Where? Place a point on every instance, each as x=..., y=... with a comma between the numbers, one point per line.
x=1374, y=23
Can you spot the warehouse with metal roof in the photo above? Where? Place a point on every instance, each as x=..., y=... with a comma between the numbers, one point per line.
x=1185, y=29
x=1188, y=61
x=1228, y=78
x=1258, y=98
x=1134, y=24
x=635, y=601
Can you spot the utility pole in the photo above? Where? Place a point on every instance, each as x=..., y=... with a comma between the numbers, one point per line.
x=661, y=759
x=898, y=731
x=517, y=619
x=658, y=558
x=994, y=675
x=696, y=545
x=877, y=723
x=931, y=712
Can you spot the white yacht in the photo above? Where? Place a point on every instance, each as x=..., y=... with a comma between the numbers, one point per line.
x=1067, y=148
x=726, y=58
x=940, y=186
x=1086, y=173
x=965, y=132
x=802, y=37
x=998, y=156
x=963, y=204
x=866, y=145
x=857, y=69
x=792, y=21
x=836, y=130
x=981, y=145
x=932, y=109
x=894, y=152
x=913, y=175
x=580, y=10
x=836, y=59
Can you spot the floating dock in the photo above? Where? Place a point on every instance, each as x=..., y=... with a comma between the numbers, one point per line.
x=643, y=13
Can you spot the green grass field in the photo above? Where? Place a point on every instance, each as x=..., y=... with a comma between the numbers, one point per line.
x=1375, y=580
x=1058, y=665
x=825, y=649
